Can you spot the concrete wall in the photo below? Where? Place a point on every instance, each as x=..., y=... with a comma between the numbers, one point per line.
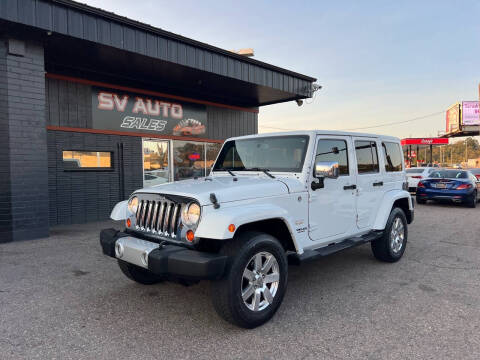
x=23, y=145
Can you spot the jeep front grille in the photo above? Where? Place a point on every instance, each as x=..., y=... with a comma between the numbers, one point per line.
x=158, y=217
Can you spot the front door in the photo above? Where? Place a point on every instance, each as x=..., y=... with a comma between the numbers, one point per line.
x=332, y=208
x=370, y=184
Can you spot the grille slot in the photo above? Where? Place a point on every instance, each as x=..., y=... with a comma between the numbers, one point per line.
x=159, y=217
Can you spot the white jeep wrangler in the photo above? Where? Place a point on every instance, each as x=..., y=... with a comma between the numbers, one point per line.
x=269, y=200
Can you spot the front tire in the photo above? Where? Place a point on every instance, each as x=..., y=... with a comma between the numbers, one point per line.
x=391, y=245
x=138, y=274
x=255, y=280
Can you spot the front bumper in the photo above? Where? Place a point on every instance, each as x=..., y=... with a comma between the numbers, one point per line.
x=163, y=260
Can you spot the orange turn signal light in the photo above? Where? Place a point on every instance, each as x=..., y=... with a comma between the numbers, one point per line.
x=231, y=228
x=190, y=235
x=129, y=223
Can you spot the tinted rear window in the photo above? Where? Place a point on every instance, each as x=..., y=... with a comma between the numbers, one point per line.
x=450, y=174
x=414, y=171
x=392, y=156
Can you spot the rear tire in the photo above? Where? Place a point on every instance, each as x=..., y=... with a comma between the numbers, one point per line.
x=256, y=261
x=472, y=201
x=391, y=245
x=420, y=200
x=138, y=274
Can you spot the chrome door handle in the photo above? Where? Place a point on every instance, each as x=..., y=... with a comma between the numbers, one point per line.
x=350, y=187
x=379, y=183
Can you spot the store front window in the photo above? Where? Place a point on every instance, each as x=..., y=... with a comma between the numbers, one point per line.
x=189, y=159
x=156, y=169
x=212, y=150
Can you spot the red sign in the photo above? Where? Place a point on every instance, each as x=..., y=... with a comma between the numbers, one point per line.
x=194, y=156
x=425, y=141
x=453, y=118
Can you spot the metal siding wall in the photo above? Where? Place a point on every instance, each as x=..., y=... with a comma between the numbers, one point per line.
x=68, y=104
x=224, y=123
x=74, y=22
x=82, y=196
x=77, y=23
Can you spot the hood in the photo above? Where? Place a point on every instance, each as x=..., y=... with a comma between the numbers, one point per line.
x=225, y=189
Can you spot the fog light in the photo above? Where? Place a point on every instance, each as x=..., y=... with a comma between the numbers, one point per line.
x=145, y=258
x=118, y=250
x=190, y=235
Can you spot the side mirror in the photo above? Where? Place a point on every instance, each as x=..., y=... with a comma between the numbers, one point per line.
x=326, y=169
x=322, y=170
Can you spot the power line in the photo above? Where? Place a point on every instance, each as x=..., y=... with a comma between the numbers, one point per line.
x=369, y=127
x=399, y=122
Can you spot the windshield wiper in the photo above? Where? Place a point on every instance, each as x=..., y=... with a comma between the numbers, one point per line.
x=229, y=171
x=265, y=171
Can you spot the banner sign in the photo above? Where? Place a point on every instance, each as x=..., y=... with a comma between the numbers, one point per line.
x=424, y=141
x=129, y=112
x=453, y=118
x=470, y=113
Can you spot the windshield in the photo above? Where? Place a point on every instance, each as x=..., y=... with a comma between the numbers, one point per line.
x=279, y=153
x=449, y=174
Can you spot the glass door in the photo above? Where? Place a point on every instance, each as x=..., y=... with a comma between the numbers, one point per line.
x=156, y=163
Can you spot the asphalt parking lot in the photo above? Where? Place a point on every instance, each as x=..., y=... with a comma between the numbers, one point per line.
x=61, y=298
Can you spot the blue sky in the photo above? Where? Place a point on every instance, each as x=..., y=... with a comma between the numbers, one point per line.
x=378, y=61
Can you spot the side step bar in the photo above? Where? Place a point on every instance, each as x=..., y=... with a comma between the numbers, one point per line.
x=309, y=255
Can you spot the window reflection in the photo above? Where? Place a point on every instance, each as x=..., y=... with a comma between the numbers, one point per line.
x=188, y=159
x=86, y=159
x=155, y=162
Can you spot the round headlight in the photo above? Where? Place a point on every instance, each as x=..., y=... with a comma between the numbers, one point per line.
x=191, y=214
x=133, y=205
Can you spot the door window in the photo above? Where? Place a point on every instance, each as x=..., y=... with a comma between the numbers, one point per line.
x=155, y=162
x=333, y=150
x=392, y=156
x=367, y=156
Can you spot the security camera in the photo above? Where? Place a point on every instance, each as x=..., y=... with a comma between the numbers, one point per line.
x=299, y=102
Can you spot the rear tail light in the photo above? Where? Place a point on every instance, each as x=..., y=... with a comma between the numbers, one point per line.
x=463, y=186
x=420, y=184
x=417, y=177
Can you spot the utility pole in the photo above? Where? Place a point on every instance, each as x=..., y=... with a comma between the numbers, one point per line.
x=466, y=151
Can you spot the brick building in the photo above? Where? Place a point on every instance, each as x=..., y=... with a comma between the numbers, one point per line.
x=95, y=105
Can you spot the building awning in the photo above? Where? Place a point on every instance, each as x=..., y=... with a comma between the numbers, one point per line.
x=84, y=41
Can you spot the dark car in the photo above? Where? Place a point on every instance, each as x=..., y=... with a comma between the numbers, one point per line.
x=459, y=186
x=476, y=172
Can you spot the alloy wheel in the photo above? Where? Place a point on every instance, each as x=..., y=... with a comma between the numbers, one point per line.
x=397, y=235
x=260, y=281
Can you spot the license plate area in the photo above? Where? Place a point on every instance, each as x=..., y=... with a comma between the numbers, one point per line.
x=441, y=186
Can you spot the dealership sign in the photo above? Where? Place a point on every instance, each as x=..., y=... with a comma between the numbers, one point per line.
x=470, y=113
x=122, y=111
x=424, y=141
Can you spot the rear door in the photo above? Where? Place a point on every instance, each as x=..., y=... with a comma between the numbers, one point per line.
x=391, y=165
x=370, y=184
